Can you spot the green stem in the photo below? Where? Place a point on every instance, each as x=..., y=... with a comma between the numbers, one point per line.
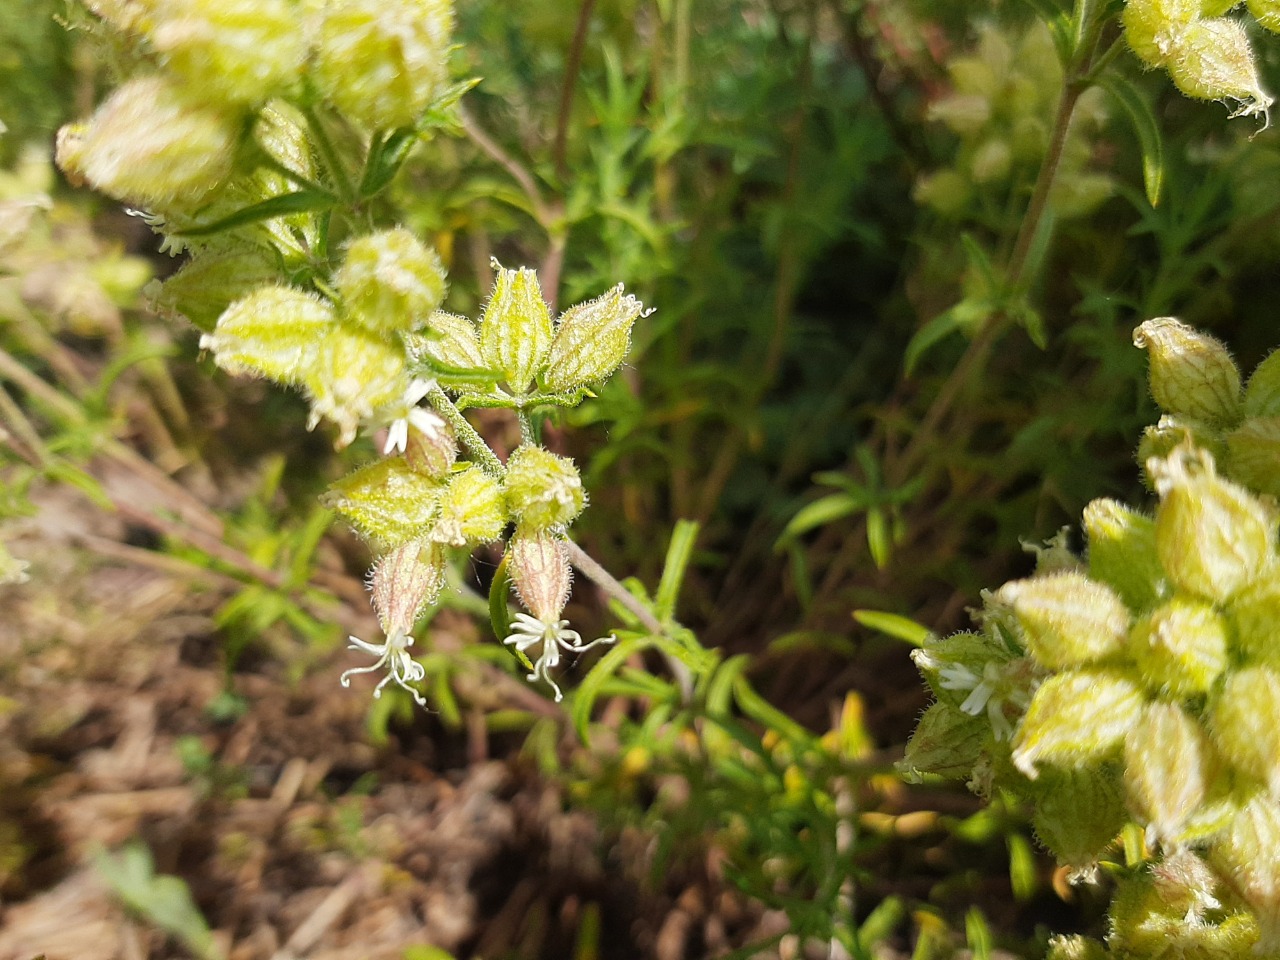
x=271, y=163
x=479, y=450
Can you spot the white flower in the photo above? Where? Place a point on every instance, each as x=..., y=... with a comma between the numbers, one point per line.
x=425, y=421
x=997, y=686
x=394, y=655
x=527, y=631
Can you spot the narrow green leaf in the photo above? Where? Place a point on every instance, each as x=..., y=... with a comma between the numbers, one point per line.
x=385, y=159
x=301, y=201
x=1060, y=26
x=763, y=712
x=1145, y=126
x=819, y=513
x=933, y=332
x=878, y=537
x=593, y=684
x=1022, y=867
x=893, y=625
x=978, y=933
x=679, y=551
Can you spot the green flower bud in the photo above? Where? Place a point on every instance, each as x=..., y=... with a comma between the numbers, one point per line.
x=450, y=344
x=1144, y=925
x=1247, y=854
x=1078, y=814
x=471, y=510
x=1067, y=619
x=948, y=192
x=1077, y=719
x=1192, y=374
x=1213, y=62
x=1154, y=28
x=434, y=452
x=540, y=571
x=591, y=341
x=211, y=281
x=991, y=161
x=1267, y=13
x=383, y=62
x=390, y=281
x=947, y=742
x=1216, y=8
x=1253, y=455
x=354, y=374
x=1076, y=947
x=1162, y=439
x=967, y=650
x=1244, y=719
x=404, y=582
x=1168, y=765
x=1122, y=553
x=1180, y=648
x=387, y=501
x=274, y=332
x=1212, y=536
x=146, y=144
x=515, y=331
x=964, y=113
x=237, y=50
x=544, y=491
x=1262, y=395
x=1255, y=613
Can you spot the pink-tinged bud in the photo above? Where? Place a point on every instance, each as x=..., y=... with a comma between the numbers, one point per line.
x=1122, y=553
x=472, y=510
x=1180, y=648
x=1169, y=764
x=1247, y=854
x=355, y=373
x=544, y=491
x=243, y=51
x=1185, y=884
x=947, y=742
x=1212, y=536
x=540, y=570
x=1078, y=814
x=387, y=501
x=390, y=281
x=1267, y=13
x=1077, y=719
x=1255, y=613
x=1262, y=394
x=1067, y=619
x=1192, y=374
x=1253, y=455
x=1213, y=61
x=431, y=453
x=273, y=332
x=516, y=331
x=404, y=582
x=1155, y=28
x=1244, y=719
x=591, y=341
x=383, y=62
x=146, y=144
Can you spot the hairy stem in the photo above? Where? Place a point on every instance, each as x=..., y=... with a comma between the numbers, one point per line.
x=466, y=433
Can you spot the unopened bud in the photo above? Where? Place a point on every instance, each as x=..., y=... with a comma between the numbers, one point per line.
x=1122, y=553
x=1212, y=536
x=390, y=281
x=1253, y=455
x=238, y=50
x=387, y=501
x=1076, y=719
x=404, y=582
x=1266, y=12
x=147, y=144
x=1154, y=28
x=355, y=373
x=1181, y=647
x=947, y=742
x=1078, y=814
x=431, y=453
x=1244, y=719
x=1160, y=440
x=1192, y=374
x=1213, y=62
x=383, y=62
x=1076, y=947
x=540, y=571
x=964, y=113
x=1144, y=925
x=449, y=344
x=591, y=340
x=543, y=490
x=274, y=332
x=1168, y=765
x=214, y=279
x=1185, y=884
x=1067, y=619
x=1262, y=394
x=991, y=161
x=515, y=331
x=1247, y=854
x=471, y=510
x=947, y=191
x=1255, y=613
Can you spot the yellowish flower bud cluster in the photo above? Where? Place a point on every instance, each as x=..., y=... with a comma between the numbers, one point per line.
x=1206, y=54
x=1142, y=685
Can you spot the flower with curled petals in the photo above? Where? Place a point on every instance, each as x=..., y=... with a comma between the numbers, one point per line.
x=528, y=631
x=393, y=654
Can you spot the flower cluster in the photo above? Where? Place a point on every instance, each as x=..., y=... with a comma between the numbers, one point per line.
x=1142, y=684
